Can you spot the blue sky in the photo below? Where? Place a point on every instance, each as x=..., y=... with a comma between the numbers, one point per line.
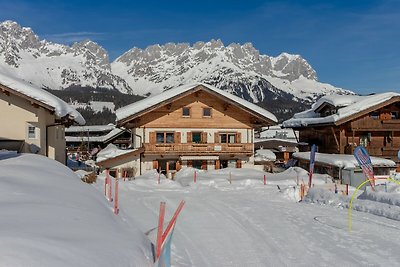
x=351, y=44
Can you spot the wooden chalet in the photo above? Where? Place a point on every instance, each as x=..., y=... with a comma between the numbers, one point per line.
x=338, y=124
x=194, y=125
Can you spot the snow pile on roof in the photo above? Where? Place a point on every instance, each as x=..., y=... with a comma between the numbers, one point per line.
x=61, y=108
x=264, y=155
x=111, y=151
x=277, y=132
x=149, y=102
x=347, y=106
x=343, y=161
x=50, y=218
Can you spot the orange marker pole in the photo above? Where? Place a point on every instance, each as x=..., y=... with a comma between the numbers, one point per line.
x=173, y=220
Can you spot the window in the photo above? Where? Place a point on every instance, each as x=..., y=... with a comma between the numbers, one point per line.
x=227, y=138
x=395, y=115
x=206, y=112
x=162, y=138
x=31, y=131
x=375, y=115
x=196, y=137
x=185, y=112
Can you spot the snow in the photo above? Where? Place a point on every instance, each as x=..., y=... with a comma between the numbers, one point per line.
x=264, y=155
x=111, y=151
x=50, y=218
x=90, y=128
x=149, y=102
x=347, y=107
x=342, y=160
x=62, y=109
x=244, y=223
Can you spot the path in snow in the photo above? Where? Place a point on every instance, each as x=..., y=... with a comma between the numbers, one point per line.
x=258, y=226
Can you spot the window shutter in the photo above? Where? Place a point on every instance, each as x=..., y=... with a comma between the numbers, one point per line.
x=238, y=137
x=177, y=137
x=238, y=163
x=152, y=137
x=216, y=137
x=155, y=164
x=204, y=165
x=204, y=137
x=189, y=137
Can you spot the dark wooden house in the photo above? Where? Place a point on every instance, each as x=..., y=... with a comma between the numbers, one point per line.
x=338, y=124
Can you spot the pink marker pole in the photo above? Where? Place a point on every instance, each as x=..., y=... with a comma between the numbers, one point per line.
x=265, y=179
x=194, y=177
x=160, y=229
x=110, y=190
x=105, y=184
x=116, y=210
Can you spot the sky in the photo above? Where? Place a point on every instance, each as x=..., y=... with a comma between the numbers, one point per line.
x=351, y=44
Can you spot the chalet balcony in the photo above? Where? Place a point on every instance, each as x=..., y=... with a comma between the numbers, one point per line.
x=369, y=124
x=202, y=149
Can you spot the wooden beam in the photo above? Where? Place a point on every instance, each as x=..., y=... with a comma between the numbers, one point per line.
x=336, y=140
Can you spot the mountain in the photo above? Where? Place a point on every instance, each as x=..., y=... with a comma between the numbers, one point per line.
x=283, y=84
x=55, y=66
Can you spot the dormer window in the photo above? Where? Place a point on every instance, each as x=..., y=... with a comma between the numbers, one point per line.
x=186, y=112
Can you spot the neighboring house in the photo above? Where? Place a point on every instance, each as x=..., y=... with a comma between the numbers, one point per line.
x=282, y=141
x=337, y=124
x=94, y=136
x=33, y=120
x=194, y=125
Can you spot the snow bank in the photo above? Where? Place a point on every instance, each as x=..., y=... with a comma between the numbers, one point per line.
x=378, y=203
x=264, y=155
x=50, y=218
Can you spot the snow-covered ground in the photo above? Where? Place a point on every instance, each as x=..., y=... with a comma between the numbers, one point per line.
x=50, y=218
x=231, y=219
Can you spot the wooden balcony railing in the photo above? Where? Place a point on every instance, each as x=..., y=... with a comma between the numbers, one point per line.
x=197, y=148
x=375, y=124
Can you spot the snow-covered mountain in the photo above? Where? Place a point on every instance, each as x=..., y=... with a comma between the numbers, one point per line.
x=279, y=83
x=239, y=69
x=55, y=66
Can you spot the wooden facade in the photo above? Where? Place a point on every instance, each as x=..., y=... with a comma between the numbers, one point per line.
x=378, y=130
x=199, y=129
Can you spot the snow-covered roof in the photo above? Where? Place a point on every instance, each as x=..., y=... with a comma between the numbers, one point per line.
x=90, y=128
x=142, y=105
x=277, y=132
x=102, y=138
x=264, y=155
x=61, y=108
x=342, y=160
x=346, y=105
x=112, y=151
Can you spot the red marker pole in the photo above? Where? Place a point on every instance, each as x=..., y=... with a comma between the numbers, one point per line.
x=194, y=177
x=160, y=229
x=110, y=190
x=105, y=183
x=116, y=210
x=265, y=179
x=173, y=220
